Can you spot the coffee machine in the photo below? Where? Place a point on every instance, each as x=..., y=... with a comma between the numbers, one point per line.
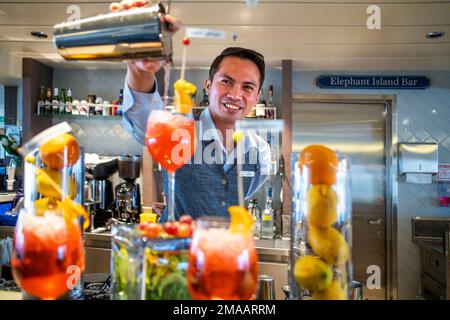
x=128, y=196
x=99, y=192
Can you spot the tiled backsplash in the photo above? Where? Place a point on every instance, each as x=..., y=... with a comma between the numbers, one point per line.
x=105, y=136
x=102, y=136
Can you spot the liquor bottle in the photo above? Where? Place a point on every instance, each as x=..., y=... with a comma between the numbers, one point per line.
x=69, y=101
x=114, y=108
x=270, y=114
x=41, y=101
x=267, y=218
x=252, y=113
x=256, y=213
x=91, y=103
x=119, y=103
x=250, y=206
x=55, y=101
x=261, y=107
x=205, y=99
x=48, y=101
x=194, y=99
x=62, y=102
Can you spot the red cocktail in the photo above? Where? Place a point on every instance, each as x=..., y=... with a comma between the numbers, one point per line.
x=48, y=252
x=170, y=139
x=48, y=255
x=222, y=264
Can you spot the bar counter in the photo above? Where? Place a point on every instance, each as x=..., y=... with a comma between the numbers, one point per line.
x=273, y=256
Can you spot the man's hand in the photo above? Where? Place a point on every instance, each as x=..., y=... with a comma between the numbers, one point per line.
x=141, y=73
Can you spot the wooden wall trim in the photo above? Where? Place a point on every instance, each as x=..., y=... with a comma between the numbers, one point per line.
x=286, y=115
x=11, y=105
x=34, y=75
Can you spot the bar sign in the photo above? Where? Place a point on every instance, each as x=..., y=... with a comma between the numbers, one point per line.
x=372, y=82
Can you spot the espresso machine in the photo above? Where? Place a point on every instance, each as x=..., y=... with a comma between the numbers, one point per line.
x=128, y=197
x=99, y=193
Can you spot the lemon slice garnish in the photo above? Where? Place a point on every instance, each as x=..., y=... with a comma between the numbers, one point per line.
x=183, y=96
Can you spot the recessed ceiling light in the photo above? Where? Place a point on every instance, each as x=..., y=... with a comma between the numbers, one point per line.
x=252, y=3
x=39, y=34
x=435, y=34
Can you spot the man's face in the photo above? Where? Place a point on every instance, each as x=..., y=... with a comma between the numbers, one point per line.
x=234, y=89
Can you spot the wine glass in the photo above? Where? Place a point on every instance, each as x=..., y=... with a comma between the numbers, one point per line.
x=171, y=141
x=222, y=264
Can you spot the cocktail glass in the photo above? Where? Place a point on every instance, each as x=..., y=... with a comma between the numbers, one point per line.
x=222, y=264
x=171, y=141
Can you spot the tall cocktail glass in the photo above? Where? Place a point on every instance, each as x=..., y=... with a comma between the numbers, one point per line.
x=48, y=256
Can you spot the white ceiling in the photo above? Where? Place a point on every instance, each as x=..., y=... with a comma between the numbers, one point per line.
x=316, y=35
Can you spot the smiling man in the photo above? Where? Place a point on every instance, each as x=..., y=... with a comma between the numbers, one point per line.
x=205, y=187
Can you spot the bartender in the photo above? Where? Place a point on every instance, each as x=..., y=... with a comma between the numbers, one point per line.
x=234, y=84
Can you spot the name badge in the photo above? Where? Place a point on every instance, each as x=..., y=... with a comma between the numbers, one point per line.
x=247, y=174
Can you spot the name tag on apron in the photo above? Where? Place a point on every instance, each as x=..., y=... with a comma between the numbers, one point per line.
x=247, y=174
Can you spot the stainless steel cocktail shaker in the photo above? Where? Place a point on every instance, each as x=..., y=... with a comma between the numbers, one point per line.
x=123, y=35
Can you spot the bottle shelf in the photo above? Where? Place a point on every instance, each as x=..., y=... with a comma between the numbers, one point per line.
x=80, y=116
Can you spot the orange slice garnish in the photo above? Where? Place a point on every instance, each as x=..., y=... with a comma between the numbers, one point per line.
x=74, y=210
x=241, y=220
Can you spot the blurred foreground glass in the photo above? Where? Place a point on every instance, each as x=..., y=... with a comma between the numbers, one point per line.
x=222, y=265
x=148, y=269
x=48, y=257
x=321, y=265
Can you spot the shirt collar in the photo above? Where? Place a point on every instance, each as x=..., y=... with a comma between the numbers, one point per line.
x=208, y=132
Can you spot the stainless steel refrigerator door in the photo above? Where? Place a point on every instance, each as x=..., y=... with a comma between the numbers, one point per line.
x=357, y=130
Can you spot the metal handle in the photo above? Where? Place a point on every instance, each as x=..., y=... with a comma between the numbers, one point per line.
x=378, y=221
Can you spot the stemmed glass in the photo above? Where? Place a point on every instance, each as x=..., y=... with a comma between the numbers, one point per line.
x=171, y=141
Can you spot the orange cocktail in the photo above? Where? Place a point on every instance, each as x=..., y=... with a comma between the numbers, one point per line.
x=48, y=251
x=170, y=139
x=222, y=264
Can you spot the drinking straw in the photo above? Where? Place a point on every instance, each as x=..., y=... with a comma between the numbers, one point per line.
x=239, y=138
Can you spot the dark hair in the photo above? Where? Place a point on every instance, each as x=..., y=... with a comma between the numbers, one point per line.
x=243, y=53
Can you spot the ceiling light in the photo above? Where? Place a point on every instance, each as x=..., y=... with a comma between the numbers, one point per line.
x=39, y=34
x=252, y=3
x=435, y=34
